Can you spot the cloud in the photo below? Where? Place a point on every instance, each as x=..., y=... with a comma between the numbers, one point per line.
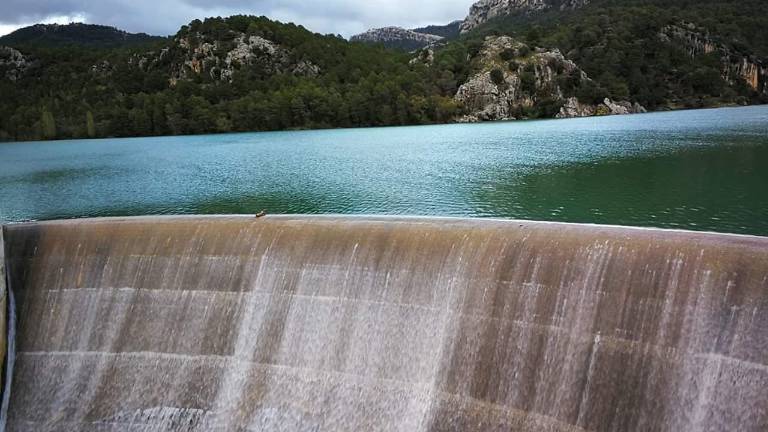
x=164, y=17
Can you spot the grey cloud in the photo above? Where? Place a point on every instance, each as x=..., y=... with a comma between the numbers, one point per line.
x=166, y=16
x=14, y=11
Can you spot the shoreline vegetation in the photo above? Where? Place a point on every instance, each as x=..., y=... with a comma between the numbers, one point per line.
x=249, y=74
x=310, y=129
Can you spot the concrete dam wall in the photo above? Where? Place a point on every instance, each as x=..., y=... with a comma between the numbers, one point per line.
x=384, y=324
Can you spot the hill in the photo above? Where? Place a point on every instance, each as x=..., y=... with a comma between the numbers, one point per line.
x=661, y=55
x=525, y=59
x=87, y=35
x=240, y=73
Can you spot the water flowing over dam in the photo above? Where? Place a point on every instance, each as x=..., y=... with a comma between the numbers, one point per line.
x=384, y=324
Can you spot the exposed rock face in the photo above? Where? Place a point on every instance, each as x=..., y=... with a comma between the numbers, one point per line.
x=221, y=62
x=486, y=97
x=623, y=107
x=512, y=79
x=697, y=42
x=425, y=56
x=485, y=10
x=13, y=63
x=105, y=68
x=573, y=108
x=396, y=37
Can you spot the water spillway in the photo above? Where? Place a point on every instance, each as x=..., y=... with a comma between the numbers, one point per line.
x=389, y=324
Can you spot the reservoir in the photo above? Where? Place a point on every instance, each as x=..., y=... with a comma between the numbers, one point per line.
x=699, y=170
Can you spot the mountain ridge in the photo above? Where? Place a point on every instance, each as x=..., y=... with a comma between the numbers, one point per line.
x=80, y=34
x=245, y=73
x=409, y=39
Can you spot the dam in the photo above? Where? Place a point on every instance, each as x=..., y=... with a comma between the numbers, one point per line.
x=301, y=323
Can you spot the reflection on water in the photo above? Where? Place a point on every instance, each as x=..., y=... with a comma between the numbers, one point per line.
x=721, y=188
x=700, y=170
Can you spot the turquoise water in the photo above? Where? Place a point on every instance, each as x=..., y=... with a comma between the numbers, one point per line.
x=698, y=170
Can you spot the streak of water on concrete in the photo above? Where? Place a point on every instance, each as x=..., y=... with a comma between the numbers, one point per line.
x=413, y=324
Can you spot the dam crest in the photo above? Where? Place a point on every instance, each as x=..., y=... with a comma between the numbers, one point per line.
x=295, y=323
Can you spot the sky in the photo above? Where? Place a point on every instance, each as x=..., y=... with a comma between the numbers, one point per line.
x=164, y=17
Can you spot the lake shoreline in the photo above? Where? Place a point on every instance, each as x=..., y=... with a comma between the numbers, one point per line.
x=455, y=122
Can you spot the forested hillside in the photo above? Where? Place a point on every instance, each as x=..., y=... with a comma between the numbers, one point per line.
x=249, y=73
x=79, y=92
x=90, y=35
x=659, y=53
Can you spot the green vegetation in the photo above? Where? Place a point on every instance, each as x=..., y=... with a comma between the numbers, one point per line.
x=81, y=92
x=497, y=76
x=448, y=31
x=623, y=46
x=73, y=90
x=91, y=35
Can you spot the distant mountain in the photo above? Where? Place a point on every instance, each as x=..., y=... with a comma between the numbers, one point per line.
x=397, y=38
x=87, y=35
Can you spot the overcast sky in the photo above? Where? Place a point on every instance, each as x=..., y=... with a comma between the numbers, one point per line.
x=164, y=17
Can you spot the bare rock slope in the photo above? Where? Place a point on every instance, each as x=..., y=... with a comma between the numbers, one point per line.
x=511, y=79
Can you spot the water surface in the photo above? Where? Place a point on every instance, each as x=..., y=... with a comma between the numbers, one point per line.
x=698, y=170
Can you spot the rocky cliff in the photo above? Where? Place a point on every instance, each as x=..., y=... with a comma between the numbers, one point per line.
x=221, y=58
x=397, y=37
x=572, y=107
x=735, y=66
x=195, y=55
x=485, y=10
x=13, y=64
x=512, y=80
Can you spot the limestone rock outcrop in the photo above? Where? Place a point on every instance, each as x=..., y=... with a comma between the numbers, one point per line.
x=195, y=54
x=13, y=64
x=221, y=59
x=425, y=56
x=512, y=79
x=573, y=108
x=697, y=42
x=396, y=37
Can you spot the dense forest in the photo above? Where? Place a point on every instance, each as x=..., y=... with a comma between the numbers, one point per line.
x=247, y=73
